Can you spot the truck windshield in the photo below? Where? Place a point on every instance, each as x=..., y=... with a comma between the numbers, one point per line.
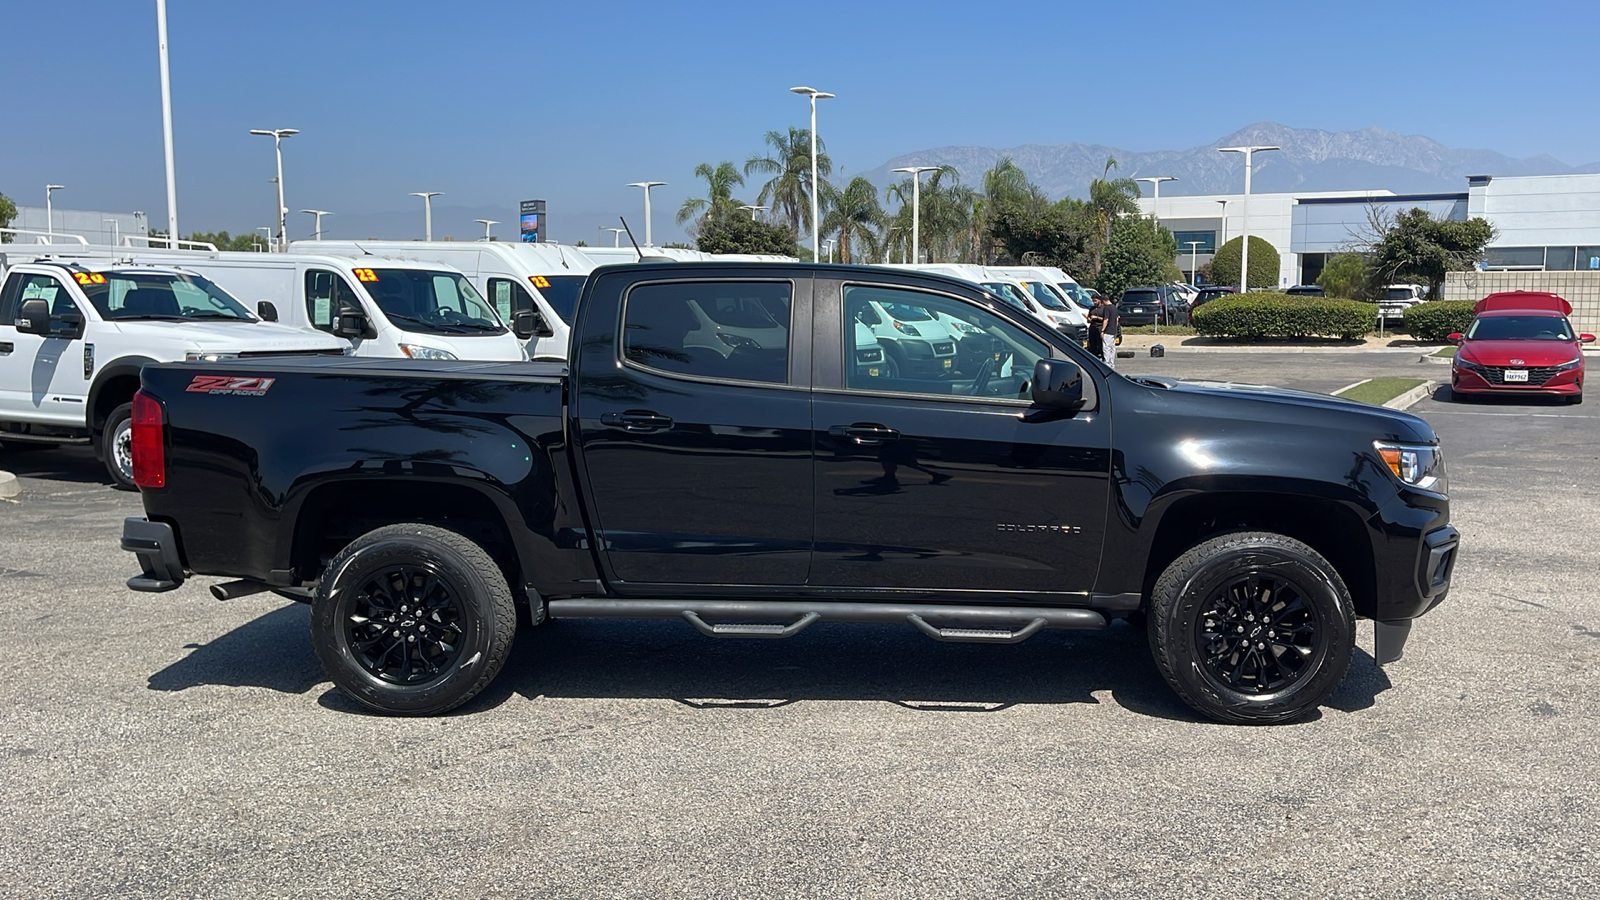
x=907, y=313
x=1077, y=293
x=429, y=301
x=1009, y=293
x=1046, y=296
x=1520, y=328
x=119, y=295
x=561, y=292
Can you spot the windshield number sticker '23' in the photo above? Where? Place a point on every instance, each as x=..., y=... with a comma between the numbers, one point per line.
x=228, y=385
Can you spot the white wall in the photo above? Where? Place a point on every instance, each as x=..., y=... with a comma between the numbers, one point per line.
x=1540, y=210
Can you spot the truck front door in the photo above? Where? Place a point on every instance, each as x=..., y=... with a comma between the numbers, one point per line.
x=951, y=482
x=42, y=379
x=695, y=436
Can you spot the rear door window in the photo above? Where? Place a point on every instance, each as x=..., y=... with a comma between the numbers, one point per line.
x=724, y=330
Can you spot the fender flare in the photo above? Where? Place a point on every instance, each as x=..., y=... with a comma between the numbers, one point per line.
x=117, y=368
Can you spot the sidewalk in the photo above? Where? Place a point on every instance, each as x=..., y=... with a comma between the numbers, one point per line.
x=1193, y=344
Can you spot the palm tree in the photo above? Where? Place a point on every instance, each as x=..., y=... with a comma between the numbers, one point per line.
x=854, y=213
x=718, y=201
x=1108, y=199
x=946, y=216
x=788, y=161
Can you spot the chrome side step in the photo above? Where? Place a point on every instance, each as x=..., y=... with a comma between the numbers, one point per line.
x=786, y=618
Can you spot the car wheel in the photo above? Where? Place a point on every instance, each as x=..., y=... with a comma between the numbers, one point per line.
x=412, y=619
x=116, y=447
x=1252, y=628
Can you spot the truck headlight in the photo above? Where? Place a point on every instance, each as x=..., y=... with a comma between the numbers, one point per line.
x=417, y=351
x=1419, y=465
x=207, y=356
x=903, y=328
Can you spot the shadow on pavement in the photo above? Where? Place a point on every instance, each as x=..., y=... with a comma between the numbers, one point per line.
x=272, y=651
x=71, y=464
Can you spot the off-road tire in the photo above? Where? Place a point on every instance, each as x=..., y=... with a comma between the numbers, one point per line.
x=481, y=608
x=1194, y=582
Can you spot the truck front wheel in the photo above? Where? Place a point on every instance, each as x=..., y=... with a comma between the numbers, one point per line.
x=412, y=620
x=116, y=446
x=1252, y=628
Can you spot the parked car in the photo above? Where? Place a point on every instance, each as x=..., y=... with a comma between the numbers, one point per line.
x=74, y=334
x=1148, y=305
x=417, y=504
x=1209, y=293
x=1305, y=290
x=1397, y=298
x=1520, y=342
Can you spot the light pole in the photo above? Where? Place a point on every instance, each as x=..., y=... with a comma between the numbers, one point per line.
x=816, y=226
x=486, y=223
x=166, y=125
x=1224, y=223
x=647, y=185
x=916, y=206
x=754, y=210
x=1194, y=261
x=268, y=232
x=116, y=232
x=616, y=236
x=1244, y=226
x=831, y=244
x=317, y=214
x=427, y=211
x=1155, y=200
x=599, y=235
x=277, y=135
x=49, y=214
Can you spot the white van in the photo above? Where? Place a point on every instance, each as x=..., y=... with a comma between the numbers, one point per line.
x=1064, y=316
x=385, y=307
x=544, y=279
x=74, y=334
x=1065, y=284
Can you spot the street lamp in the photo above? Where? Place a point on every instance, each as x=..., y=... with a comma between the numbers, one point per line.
x=754, y=210
x=277, y=135
x=916, y=206
x=831, y=244
x=486, y=223
x=1224, y=222
x=616, y=236
x=427, y=211
x=1155, y=200
x=647, y=185
x=816, y=226
x=166, y=124
x=49, y=214
x=268, y=232
x=116, y=232
x=1244, y=226
x=1194, y=261
x=317, y=214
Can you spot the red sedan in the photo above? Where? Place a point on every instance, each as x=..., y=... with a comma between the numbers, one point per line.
x=1520, y=342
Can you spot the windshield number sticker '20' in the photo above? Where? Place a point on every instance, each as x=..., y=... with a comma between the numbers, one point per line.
x=228, y=385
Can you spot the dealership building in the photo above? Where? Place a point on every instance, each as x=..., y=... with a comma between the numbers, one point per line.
x=1543, y=223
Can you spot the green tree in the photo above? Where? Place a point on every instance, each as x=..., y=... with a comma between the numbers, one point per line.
x=854, y=214
x=1110, y=198
x=8, y=212
x=945, y=214
x=1264, y=263
x=1346, y=275
x=1417, y=248
x=741, y=234
x=1139, y=252
x=718, y=201
x=788, y=161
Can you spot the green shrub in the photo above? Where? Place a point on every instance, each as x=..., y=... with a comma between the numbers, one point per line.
x=1263, y=263
x=1437, y=319
x=1263, y=316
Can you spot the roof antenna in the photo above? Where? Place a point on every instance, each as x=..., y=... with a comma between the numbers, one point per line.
x=364, y=251
x=631, y=240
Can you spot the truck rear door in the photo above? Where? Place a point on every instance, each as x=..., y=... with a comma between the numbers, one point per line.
x=693, y=413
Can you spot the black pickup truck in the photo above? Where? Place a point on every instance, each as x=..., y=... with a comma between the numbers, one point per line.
x=751, y=481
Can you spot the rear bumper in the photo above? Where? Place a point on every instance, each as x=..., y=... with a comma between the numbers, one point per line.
x=156, y=546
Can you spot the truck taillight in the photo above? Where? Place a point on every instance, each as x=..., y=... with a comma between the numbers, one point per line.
x=149, y=442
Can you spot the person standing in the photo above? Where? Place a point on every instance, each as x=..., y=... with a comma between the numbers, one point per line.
x=1110, y=327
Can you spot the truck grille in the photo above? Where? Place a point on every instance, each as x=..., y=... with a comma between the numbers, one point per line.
x=944, y=347
x=872, y=355
x=1537, y=375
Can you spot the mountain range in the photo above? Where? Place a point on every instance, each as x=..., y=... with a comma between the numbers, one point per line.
x=1310, y=160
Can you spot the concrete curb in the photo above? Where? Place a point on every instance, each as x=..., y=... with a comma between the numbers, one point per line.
x=1405, y=401
x=8, y=485
x=1438, y=360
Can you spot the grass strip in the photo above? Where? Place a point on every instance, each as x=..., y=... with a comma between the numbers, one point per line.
x=1173, y=330
x=1379, y=391
x=1444, y=352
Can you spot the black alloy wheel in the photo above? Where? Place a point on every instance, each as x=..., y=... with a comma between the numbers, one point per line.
x=1258, y=634
x=404, y=624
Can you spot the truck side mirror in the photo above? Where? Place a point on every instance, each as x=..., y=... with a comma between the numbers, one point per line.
x=527, y=323
x=1057, y=384
x=266, y=311
x=34, y=317
x=351, y=324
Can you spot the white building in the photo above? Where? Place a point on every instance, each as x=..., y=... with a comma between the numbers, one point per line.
x=1542, y=222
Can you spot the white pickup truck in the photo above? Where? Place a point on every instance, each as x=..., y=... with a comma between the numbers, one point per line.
x=75, y=333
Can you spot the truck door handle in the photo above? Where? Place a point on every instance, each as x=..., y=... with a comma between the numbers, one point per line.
x=7, y=346
x=865, y=433
x=636, y=420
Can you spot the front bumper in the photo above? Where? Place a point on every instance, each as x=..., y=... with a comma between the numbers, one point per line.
x=1469, y=381
x=156, y=546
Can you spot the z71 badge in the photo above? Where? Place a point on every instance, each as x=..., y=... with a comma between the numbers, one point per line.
x=228, y=385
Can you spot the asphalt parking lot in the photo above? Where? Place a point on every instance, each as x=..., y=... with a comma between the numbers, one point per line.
x=169, y=744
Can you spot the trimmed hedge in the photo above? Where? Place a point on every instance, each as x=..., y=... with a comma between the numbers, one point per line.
x=1264, y=316
x=1437, y=319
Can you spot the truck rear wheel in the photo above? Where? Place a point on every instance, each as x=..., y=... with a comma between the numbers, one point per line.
x=1252, y=628
x=412, y=620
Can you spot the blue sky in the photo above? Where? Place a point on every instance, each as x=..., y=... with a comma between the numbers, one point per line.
x=492, y=102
